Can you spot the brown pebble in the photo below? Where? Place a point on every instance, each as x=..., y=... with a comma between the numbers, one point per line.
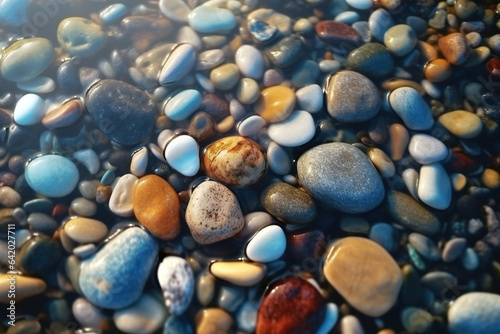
x=217, y=107
x=25, y=287
x=103, y=194
x=213, y=321
x=437, y=70
x=202, y=126
x=490, y=178
x=454, y=48
x=275, y=103
x=394, y=83
x=338, y=34
x=427, y=51
x=399, y=139
x=225, y=125
x=64, y=115
x=9, y=197
x=85, y=230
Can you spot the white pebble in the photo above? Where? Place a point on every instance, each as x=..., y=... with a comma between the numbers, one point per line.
x=296, y=130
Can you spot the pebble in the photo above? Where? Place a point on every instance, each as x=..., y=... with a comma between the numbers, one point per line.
x=113, y=13
x=291, y=304
x=462, y=123
x=275, y=104
x=453, y=249
x=377, y=288
x=272, y=18
x=209, y=59
x=52, y=175
x=371, y=59
x=230, y=298
x=284, y=52
x=178, y=63
x=145, y=316
x=467, y=10
x=278, y=159
x=211, y=20
x=338, y=35
x=296, y=130
x=131, y=110
x=437, y=70
x=87, y=314
x=426, y=149
x=360, y=4
x=408, y=104
x=380, y=21
x=13, y=12
x=38, y=52
x=25, y=287
x=89, y=159
x=434, y=186
x=121, y=200
x=454, y=48
x=331, y=317
x=38, y=255
x=80, y=37
x=29, y=110
x=251, y=126
x=267, y=245
x=247, y=91
x=139, y=162
x=250, y=61
x=182, y=154
x=474, y=312
x=352, y=97
x=225, y=76
x=114, y=277
x=351, y=325
x=213, y=213
x=409, y=213
x=175, y=10
x=205, y=288
x=424, y=246
x=156, y=206
x=38, y=85
x=490, y=178
x=382, y=162
x=177, y=283
x=10, y=198
x=213, y=320
x=310, y=98
x=254, y=221
x=202, y=126
x=240, y=273
x=234, y=160
x=400, y=39
x=352, y=187
x=289, y=204
x=416, y=320
x=25, y=326
x=306, y=247
x=43, y=223
x=85, y=230
x=182, y=105
x=384, y=235
x=470, y=259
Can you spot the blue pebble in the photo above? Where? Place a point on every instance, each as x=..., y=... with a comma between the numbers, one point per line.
x=418, y=24
x=113, y=13
x=13, y=12
x=261, y=30
x=39, y=205
x=108, y=178
x=408, y=104
x=207, y=20
x=177, y=325
x=115, y=276
x=475, y=312
x=52, y=175
x=348, y=17
x=183, y=104
x=380, y=21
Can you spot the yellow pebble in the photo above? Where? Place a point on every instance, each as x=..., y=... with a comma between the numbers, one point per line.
x=491, y=178
x=459, y=181
x=275, y=103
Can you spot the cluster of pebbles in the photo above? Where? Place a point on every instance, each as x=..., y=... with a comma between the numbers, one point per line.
x=241, y=166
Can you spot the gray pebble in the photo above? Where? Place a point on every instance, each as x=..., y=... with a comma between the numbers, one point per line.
x=453, y=249
x=425, y=246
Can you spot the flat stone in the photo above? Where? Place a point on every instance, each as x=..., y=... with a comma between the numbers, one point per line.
x=145, y=316
x=251, y=126
x=213, y=213
x=304, y=246
x=371, y=59
x=310, y=98
x=29, y=110
x=52, y=175
x=114, y=277
x=80, y=37
x=113, y=13
x=462, y=123
x=377, y=276
x=209, y=59
x=291, y=304
x=338, y=35
x=211, y=20
x=177, y=64
x=340, y=177
x=121, y=201
x=235, y=160
x=250, y=61
x=177, y=283
x=275, y=104
x=409, y=213
x=267, y=245
x=85, y=230
x=157, y=206
x=352, y=97
x=424, y=246
x=453, y=249
x=289, y=204
x=475, y=312
x=298, y=129
x=38, y=52
x=239, y=273
x=182, y=105
x=176, y=10
x=408, y=104
x=64, y=115
x=434, y=186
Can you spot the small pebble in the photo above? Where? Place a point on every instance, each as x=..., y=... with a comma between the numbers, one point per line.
x=267, y=245
x=238, y=272
x=177, y=282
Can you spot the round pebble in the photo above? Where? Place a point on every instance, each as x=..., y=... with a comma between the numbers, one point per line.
x=211, y=20
x=275, y=104
x=182, y=154
x=461, y=123
x=267, y=245
x=400, y=39
x=296, y=130
x=80, y=37
x=240, y=273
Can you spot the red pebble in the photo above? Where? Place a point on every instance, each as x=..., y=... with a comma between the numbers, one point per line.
x=461, y=163
x=306, y=248
x=493, y=67
x=59, y=211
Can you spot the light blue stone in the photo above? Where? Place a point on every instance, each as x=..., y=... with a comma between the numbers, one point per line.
x=408, y=104
x=347, y=17
x=434, y=186
x=113, y=13
x=52, y=175
x=13, y=12
x=114, y=277
x=208, y=20
x=29, y=110
x=108, y=178
x=267, y=245
x=182, y=105
x=380, y=21
x=177, y=325
x=426, y=149
x=384, y=235
x=310, y=98
x=475, y=312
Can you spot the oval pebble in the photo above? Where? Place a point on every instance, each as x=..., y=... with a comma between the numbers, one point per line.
x=424, y=246
x=379, y=22
x=278, y=159
x=178, y=63
x=211, y=20
x=360, y=4
x=453, y=249
x=296, y=130
x=400, y=39
x=251, y=126
x=475, y=312
x=113, y=13
x=434, y=186
x=250, y=61
x=38, y=85
x=26, y=287
x=310, y=98
x=83, y=207
x=182, y=105
x=461, y=123
x=145, y=316
x=85, y=230
x=426, y=149
x=182, y=154
x=275, y=104
x=80, y=37
x=121, y=200
x=29, y=110
x=177, y=283
x=239, y=273
x=52, y=175
x=176, y=10
x=87, y=314
x=89, y=159
x=408, y=104
x=267, y=245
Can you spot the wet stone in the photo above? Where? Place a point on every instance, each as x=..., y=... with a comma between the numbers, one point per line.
x=239, y=273
x=178, y=63
x=202, y=126
x=250, y=61
x=296, y=130
x=455, y=48
x=213, y=320
x=177, y=282
x=285, y=52
x=267, y=245
x=80, y=37
x=211, y=20
x=291, y=304
x=306, y=246
x=64, y=115
x=122, y=111
x=275, y=104
x=338, y=35
x=371, y=59
x=39, y=255
x=145, y=316
x=217, y=107
x=462, y=123
x=85, y=230
x=474, y=311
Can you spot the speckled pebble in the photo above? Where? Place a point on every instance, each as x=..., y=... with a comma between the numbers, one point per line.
x=177, y=282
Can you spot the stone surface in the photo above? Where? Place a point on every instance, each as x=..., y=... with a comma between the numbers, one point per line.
x=182, y=105
x=213, y=320
x=177, y=283
x=340, y=177
x=291, y=304
x=376, y=275
x=285, y=52
x=352, y=97
x=211, y=20
x=426, y=149
x=157, y=206
x=178, y=63
x=408, y=104
x=123, y=112
x=250, y=61
x=454, y=48
x=182, y=154
x=371, y=59
x=475, y=312
x=400, y=39
x=234, y=160
x=213, y=213
x=434, y=186
x=338, y=35
x=310, y=98
x=114, y=277
x=121, y=202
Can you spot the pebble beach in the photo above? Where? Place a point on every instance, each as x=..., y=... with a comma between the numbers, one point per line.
x=249, y=166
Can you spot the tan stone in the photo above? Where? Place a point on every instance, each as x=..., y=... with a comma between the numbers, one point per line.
x=25, y=287
x=491, y=178
x=461, y=123
x=238, y=272
x=85, y=230
x=364, y=274
x=399, y=139
x=275, y=103
x=64, y=115
x=213, y=321
x=438, y=70
x=225, y=76
x=157, y=206
x=382, y=162
x=454, y=48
